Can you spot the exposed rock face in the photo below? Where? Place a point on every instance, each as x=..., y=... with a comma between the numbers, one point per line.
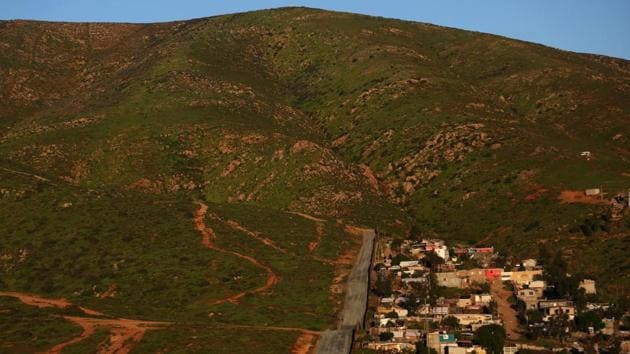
x=451, y=145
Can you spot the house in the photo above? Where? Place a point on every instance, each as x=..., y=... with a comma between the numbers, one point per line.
x=413, y=335
x=552, y=311
x=414, y=280
x=442, y=252
x=527, y=294
x=543, y=304
x=399, y=334
x=440, y=341
x=438, y=247
x=481, y=299
x=479, y=250
x=510, y=349
x=407, y=264
x=529, y=263
x=609, y=326
x=464, y=302
x=449, y=279
x=391, y=346
x=466, y=319
x=439, y=310
x=477, y=275
x=387, y=301
x=401, y=312
x=589, y=286
x=538, y=286
x=492, y=274
x=457, y=350
x=525, y=276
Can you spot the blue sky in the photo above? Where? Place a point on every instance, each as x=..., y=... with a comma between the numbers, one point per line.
x=593, y=26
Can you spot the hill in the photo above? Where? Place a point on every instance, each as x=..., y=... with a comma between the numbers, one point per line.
x=114, y=137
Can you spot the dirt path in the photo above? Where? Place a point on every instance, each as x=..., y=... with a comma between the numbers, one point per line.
x=124, y=333
x=88, y=330
x=319, y=228
x=37, y=177
x=506, y=312
x=568, y=196
x=235, y=225
x=208, y=238
x=306, y=216
x=34, y=300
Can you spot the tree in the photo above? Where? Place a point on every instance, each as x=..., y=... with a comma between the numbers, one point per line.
x=588, y=319
x=392, y=314
x=432, y=260
x=398, y=258
x=534, y=316
x=491, y=338
x=386, y=336
x=421, y=348
x=559, y=326
x=451, y=322
x=383, y=286
x=411, y=304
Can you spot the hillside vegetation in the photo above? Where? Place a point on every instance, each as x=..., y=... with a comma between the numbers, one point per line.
x=113, y=135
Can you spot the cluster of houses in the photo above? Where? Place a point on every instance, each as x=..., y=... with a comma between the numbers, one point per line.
x=397, y=329
x=412, y=313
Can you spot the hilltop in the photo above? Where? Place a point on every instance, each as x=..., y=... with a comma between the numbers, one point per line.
x=294, y=127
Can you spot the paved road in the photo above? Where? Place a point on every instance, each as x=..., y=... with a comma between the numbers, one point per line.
x=340, y=340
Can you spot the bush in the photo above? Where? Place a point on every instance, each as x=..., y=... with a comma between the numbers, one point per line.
x=386, y=336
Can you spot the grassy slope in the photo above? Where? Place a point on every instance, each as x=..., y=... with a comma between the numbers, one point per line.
x=265, y=112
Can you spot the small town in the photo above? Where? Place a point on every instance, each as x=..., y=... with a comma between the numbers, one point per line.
x=429, y=297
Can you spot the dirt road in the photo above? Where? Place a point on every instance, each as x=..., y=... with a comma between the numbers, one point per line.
x=353, y=312
x=506, y=312
x=208, y=240
x=123, y=333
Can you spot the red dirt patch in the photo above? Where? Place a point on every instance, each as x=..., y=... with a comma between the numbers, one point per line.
x=34, y=300
x=305, y=344
x=367, y=173
x=110, y=292
x=536, y=194
x=569, y=196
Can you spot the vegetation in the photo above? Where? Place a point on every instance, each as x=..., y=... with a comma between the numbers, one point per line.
x=491, y=338
x=352, y=120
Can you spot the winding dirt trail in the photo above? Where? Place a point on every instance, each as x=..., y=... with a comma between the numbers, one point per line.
x=319, y=228
x=88, y=330
x=235, y=225
x=208, y=238
x=37, y=301
x=124, y=333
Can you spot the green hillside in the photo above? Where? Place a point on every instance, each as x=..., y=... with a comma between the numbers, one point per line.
x=112, y=134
